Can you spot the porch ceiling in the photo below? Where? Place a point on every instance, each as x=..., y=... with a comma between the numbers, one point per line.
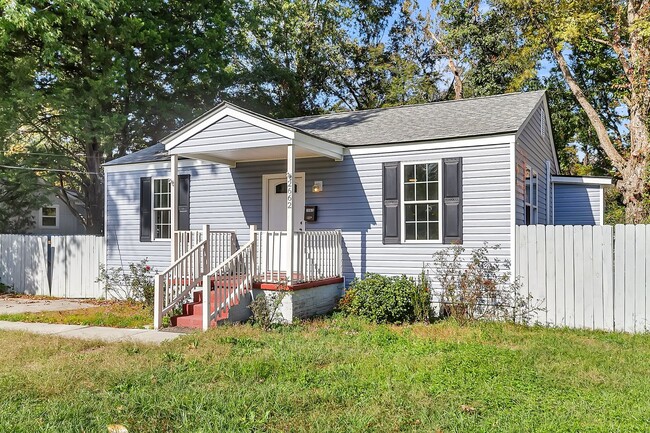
x=231, y=157
x=229, y=134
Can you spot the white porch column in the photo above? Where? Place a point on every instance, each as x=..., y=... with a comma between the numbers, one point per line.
x=174, y=206
x=291, y=168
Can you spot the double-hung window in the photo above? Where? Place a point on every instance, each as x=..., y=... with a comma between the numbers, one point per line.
x=49, y=217
x=162, y=210
x=531, y=196
x=421, y=201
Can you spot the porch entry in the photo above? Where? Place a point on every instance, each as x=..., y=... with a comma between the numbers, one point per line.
x=274, y=202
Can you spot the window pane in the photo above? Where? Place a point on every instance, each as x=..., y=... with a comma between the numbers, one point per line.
x=533, y=193
x=48, y=222
x=410, y=231
x=409, y=173
x=433, y=231
x=49, y=211
x=433, y=212
x=422, y=231
x=420, y=191
x=421, y=212
x=421, y=172
x=409, y=212
x=409, y=192
x=432, y=172
x=528, y=220
x=166, y=232
x=433, y=190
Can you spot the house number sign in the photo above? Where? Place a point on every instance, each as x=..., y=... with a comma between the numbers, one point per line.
x=289, y=190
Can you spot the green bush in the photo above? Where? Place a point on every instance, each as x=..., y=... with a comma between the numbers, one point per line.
x=384, y=299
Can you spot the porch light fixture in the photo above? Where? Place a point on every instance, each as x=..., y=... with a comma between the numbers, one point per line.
x=318, y=186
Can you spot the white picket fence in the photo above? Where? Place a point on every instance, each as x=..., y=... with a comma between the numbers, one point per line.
x=592, y=277
x=67, y=266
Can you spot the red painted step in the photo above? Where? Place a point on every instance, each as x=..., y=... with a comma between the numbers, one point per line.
x=192, y=316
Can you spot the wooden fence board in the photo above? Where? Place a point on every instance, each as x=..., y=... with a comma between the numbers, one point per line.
x=593, y=277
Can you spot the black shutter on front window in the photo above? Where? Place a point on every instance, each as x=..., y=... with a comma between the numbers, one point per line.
x=391, y=204
x=145, y=209
x=184, y=202
x=452, y=204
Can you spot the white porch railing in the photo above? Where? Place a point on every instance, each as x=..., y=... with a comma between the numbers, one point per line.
x=223, y=244
x=317, y=255
x=231, y=280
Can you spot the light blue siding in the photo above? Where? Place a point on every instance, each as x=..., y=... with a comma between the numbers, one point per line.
x=229, y=130
x=577, y=204
x=351, y=200
x=533, y=149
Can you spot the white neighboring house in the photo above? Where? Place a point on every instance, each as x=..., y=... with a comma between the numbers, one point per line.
x=55, y=218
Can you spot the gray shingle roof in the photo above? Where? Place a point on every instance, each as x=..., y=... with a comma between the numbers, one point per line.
x=500, y=114
x=435, y=121
x=153, y=153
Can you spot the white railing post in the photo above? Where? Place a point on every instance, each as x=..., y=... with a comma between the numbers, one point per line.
x=253, y=237
x=158, y=301
x=174, y=205
x=206, y=257
x=206, y=302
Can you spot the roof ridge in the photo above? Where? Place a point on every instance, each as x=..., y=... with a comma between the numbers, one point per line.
x=337, y=113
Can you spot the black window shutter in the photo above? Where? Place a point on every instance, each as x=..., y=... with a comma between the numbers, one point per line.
x=391, y=210
x=452, y=205
x=145, y=209
x=184, y=202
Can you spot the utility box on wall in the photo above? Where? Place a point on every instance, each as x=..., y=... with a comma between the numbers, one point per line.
x=311, y=214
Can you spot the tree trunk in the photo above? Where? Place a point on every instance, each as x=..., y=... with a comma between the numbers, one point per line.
x=93, y=190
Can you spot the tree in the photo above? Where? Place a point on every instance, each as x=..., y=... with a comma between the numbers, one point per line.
x=87, y=81
x=613, y=36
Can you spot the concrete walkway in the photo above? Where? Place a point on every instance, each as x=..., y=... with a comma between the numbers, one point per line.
x=110, y=335
x=15, y=305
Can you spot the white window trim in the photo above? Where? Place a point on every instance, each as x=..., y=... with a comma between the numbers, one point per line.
x=534, y=208
x=403, y=203
x=56, y=217
x=153, y=210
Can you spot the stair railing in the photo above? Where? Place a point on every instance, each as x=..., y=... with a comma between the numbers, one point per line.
x=231, y=280
x=174, y=283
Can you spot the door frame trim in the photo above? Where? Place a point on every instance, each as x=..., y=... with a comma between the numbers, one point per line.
x=265, y=192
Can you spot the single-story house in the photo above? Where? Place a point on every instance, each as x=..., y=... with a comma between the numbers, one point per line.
x=376, y=190
x=56, y=218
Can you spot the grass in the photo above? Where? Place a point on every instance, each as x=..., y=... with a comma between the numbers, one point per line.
x=116, y=314
x=339, y=375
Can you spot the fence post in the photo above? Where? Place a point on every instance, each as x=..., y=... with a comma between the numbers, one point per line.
x=157, y=302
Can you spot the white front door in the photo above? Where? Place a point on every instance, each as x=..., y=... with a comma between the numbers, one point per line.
x=275, y=209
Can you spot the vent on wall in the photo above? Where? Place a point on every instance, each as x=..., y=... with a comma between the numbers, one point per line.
x=542, y=122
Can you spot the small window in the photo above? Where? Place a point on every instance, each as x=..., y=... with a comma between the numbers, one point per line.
x=531, y=196
x=162, y=210
x=49, y=217
x=421, y=201
x=281, y=188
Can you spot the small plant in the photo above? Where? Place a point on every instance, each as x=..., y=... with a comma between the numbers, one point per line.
x=266, y=308
x=136, y=284
x=385, y=299
x=4, y=289
x=422, y=299
x=481, y=290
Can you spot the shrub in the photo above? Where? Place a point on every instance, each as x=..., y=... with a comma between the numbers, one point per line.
x=483, y=289
x=384, y=299
x=266, y=308
x=136, y=284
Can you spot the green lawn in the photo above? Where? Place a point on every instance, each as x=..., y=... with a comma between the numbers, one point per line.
x=333, y=375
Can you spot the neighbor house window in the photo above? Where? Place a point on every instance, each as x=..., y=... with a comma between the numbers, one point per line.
x=530, y=199
x=421, y=201
x=162, y=211
x=49, y=217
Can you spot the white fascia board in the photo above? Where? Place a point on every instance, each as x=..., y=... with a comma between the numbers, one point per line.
x=232, y=112
x=160, y=165
x=491, y=140
x=325, y=148
x=582, y=180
